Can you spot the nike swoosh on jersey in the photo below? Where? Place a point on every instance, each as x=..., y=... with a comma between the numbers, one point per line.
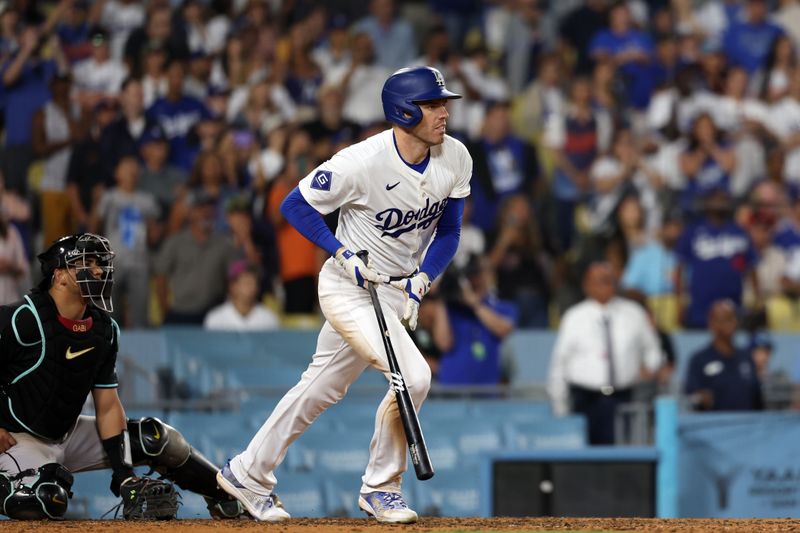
x=73, y=355
x=390, y=187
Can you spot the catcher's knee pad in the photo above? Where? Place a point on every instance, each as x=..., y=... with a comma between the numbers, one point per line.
x=165, y=450
x=47, y=497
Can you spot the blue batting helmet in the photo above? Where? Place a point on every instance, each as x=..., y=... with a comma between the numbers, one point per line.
x=409, y=86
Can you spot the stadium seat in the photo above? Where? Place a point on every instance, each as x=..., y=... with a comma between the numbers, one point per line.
x=301, y=494
x=455, y=494
x=665, y=311
x=783, y=314
x=319, y=449
x=500, y=411
x=341, y=493
x=561, y=433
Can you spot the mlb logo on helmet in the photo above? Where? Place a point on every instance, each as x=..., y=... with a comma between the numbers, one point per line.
x=439, y=77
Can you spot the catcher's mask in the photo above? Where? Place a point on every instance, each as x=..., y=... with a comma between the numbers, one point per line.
x=91, y=258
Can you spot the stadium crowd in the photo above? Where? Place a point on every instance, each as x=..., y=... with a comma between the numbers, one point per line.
x=659, y=136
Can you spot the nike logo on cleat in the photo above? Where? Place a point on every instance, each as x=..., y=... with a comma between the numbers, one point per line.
x=390, y=187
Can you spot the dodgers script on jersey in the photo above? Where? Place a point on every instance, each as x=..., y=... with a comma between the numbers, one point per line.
x=387, y=207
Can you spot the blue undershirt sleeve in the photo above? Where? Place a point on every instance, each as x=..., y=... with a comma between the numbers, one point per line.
x=309, y=222
x=445, y=242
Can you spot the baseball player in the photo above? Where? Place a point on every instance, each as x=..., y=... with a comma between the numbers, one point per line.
x=57, y=345
x=401, y=192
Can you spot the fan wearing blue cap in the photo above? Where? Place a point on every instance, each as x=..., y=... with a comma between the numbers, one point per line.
x=394, y=191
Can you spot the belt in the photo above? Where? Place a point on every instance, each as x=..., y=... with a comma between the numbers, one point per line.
x=401, y=278
x=605, y=390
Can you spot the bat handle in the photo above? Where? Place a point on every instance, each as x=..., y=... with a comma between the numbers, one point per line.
x=363, y=255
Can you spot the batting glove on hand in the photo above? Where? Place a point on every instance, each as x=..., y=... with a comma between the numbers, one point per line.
x=357, y=270
x=415, y=287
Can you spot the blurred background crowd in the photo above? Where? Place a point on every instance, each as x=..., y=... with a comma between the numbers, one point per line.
x=657, y=140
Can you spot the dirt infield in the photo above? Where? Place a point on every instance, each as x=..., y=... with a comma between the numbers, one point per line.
x=343, y=525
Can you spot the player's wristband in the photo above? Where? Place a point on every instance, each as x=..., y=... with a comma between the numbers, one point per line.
x=118, y=450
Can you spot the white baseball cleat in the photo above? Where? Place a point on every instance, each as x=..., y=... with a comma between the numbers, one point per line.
x=261, y=507
x=387, y=507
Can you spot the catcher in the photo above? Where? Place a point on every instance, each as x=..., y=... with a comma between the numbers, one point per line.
x=56, y=345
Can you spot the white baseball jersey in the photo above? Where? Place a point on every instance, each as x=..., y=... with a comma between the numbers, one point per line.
x=391, y=210
x=388, y=208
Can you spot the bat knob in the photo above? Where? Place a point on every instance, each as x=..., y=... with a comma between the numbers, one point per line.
x=362, y=254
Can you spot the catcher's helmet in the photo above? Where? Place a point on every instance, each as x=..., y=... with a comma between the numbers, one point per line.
x=408, y=86
x=73, y=251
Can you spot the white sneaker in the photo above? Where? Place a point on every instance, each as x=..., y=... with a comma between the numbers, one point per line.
x=260, y=507
x=387, y=507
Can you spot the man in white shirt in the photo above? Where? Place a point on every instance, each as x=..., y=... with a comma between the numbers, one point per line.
x=99, y=76
x=242, y=311
x=605, y=345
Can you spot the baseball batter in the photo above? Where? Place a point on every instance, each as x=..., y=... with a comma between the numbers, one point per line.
x=57, y=345
x=401, y=194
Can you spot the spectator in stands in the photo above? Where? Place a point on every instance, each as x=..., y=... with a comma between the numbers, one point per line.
x=303, y=76
x=722, y=377
x=360, y=82
x=164, y=181
x=605, y=345
x=717, y=255
x=86, y=176
x=253, y=240
x=707, y=162
x=198, y=76
x=772, y=80
x=543, y=97
x=99, y=76
x=743, y=119
x=121, y=17
x=517, y=257
x=73, y=31
x=268, y=106
x=124, y=136
x=631, y=50
x=297, y=255
x=434, y=335
x=157, y=31
x=651, y=267
x=14, y=267
x=191, y=265
x=242, y=311
x=576, y=137
x=579, y=27
x=57, y=126
x=208, y=179
x=25, y=77
x=770, y=264
x=503, y=166
x=761, y=349
x=177, y=114
x=479, y=322
x=747, y=42
x=154, y=79
x=334, y=51
x=330, y=130
x=783, y=115
x=126, y=215
x=472, y=241
x=391, y=34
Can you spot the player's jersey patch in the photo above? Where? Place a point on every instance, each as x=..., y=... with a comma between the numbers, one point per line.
x=322, y=180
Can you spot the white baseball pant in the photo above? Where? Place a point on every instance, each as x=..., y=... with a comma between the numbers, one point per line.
x=349, y=342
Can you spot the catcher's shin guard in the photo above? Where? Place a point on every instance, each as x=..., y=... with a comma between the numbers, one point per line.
x=165, y=450
x=46, y=497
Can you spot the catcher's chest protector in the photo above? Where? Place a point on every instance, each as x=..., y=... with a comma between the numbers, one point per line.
x=48, y=369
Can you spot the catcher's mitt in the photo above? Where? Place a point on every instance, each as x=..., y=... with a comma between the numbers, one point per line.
x=144, y=498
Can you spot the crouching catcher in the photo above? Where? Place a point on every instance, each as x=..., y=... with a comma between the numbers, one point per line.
x=58, y=345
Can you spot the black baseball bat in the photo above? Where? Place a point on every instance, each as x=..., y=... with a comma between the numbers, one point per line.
x=408, y=414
